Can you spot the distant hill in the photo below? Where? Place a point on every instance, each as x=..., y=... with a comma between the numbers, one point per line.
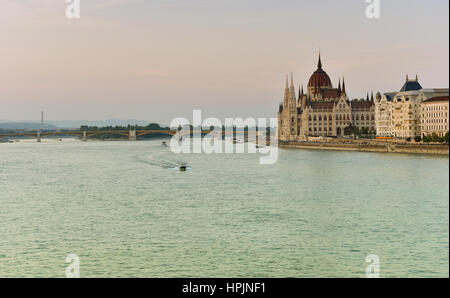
x=26, y=126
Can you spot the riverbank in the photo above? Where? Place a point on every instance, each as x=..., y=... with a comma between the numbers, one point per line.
x=370, y=146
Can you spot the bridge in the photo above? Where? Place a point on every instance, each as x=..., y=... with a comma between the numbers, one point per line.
x=131, y=134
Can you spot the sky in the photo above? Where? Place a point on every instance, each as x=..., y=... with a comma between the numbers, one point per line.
x=156, y=60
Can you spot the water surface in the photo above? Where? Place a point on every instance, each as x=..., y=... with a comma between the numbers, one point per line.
x=126, y=212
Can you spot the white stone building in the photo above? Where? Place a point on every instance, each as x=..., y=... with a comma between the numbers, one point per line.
x=383, y=114
x=434, y=116
x=397, y=114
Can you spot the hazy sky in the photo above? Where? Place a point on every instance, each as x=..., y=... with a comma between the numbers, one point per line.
x=159, y=59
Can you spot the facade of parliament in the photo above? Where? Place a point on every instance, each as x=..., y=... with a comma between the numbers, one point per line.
x=323, y=110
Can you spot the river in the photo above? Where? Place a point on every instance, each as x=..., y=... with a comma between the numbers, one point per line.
x=126, y=211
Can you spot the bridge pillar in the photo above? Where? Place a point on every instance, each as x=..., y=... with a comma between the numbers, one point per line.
x=132, y=135
x=38, y=137
x=84, y=137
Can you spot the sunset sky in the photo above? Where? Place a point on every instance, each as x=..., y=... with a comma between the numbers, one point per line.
x=159, y=59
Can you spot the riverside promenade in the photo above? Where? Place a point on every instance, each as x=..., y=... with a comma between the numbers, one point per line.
x=364, y=145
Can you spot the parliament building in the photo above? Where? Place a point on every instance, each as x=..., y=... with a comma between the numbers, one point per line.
x=322, y=110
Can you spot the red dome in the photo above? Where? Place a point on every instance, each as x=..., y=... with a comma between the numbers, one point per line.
x=319, y=79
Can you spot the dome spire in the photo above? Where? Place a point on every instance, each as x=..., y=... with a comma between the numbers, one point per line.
x=319, y=65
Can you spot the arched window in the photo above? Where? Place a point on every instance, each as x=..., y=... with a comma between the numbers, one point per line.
x=362, y=117
x=320, y=117
x=325, y=118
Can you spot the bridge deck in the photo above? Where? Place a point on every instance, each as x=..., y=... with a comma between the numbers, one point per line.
x=89, y=133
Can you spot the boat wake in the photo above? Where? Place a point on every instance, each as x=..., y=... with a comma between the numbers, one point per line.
x=169, y=164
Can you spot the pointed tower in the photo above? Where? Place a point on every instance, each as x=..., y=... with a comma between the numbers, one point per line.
x=339, y=86
x=343, y=86
x=292, y=99
x=286, y=94
x=300, y=95
x=303, y=99
x=292, y=115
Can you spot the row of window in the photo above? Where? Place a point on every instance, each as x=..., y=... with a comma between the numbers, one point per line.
x=342, y=117
x=435, y=108
x=434, y=115
x=437, y=127
x=320, y=129
x=435, y=121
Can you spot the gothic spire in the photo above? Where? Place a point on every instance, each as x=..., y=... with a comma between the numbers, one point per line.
x=343, y=85
x=300, y=96
x=286, y=93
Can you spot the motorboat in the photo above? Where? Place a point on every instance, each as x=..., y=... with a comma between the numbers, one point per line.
x=237, y=141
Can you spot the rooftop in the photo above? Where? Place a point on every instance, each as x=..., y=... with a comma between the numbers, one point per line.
x=437, y=99
x=411, y=85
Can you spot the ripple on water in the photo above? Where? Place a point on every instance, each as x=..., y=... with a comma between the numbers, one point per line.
x=126, y=211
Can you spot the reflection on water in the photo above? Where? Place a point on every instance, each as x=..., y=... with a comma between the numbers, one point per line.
x=126, y=210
